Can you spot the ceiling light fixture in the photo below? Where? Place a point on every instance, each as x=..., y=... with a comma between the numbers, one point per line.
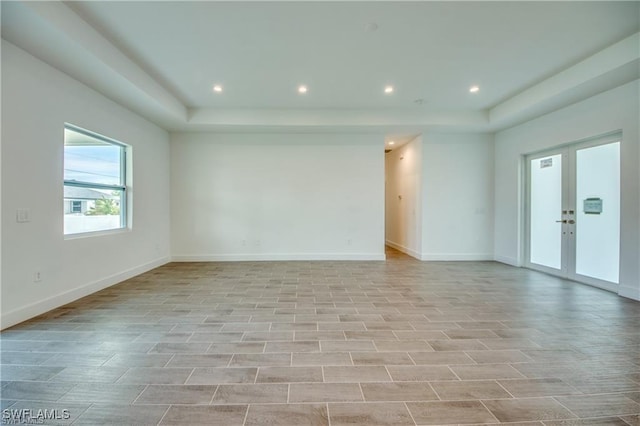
x=391, y=142
x=474, y=89
x=371, y=27
x=388, y=89
x=217, y=88
x=302, y=89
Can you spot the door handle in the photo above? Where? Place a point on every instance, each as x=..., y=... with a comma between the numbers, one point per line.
x=561, y=221
x=571, y=222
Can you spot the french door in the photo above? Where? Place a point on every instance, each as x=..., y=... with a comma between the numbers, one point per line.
x=573, y=212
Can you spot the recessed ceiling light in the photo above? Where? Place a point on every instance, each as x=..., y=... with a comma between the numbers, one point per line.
x=391, y=142
x=388, y=89
x=217, y=88
x=302, y=89
x=474, y=89
x=371, y=27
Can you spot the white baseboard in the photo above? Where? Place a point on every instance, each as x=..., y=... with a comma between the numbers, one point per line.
x=457, y=257
x=264, y=257
x=507, y=260
x=405, y=250
x=24, y=313
x=629, y=292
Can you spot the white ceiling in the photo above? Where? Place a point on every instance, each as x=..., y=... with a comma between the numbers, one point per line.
x=173, y=52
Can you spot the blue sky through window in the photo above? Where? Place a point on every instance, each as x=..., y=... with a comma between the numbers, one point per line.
x=91, y=160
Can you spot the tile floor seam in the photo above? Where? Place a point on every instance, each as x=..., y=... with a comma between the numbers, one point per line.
x=140, y=394
x=410, y=413
x=625, y=421
x=505, y=389
x=52, y=377
x=389, y=374
x=246, y=414
x=106, y=361
x=431, y=347
x=455, y=374
x=364, y=398
x=81, y=413
x=193, y=370
x=229, y=362
x=516, y=370
x=164, y=414
x=489, y=411
x=565, y=407
x=435, y=391
x=213, y=397
x=121, y=376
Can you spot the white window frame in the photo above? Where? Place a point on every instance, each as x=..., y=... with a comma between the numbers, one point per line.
x=122, y=187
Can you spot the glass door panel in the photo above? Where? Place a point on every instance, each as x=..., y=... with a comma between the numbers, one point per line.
x=598, y=212
x=545, y=206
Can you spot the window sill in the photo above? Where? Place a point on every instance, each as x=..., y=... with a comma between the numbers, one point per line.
x=96, y=233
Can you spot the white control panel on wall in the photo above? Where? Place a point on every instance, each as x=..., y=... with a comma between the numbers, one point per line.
x=23, y=215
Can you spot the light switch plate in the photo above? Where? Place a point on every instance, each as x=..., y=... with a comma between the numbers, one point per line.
x=23, y=215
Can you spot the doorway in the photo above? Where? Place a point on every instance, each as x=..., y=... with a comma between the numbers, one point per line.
x=403, y=194
x=573, y=212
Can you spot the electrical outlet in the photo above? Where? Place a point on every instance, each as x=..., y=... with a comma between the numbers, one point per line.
x=37, y=276
x=23, y=215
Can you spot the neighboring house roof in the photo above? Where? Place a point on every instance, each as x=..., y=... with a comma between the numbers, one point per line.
x=78, y=193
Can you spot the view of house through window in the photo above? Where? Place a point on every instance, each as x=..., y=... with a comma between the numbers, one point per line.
x=94, y=182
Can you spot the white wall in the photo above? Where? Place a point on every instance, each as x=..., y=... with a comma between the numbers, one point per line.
x=403, y=198
x=610, y=111
x=270, y=196
x=457, y=199
x=36, y=102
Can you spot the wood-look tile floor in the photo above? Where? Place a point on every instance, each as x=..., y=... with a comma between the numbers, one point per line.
x=400, y=342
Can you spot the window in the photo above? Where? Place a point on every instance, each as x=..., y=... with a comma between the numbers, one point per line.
x=95, y=190
x=76, y=206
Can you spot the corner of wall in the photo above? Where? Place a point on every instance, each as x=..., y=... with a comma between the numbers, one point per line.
x=406, y=250
x=512, y=261
x=629, y=292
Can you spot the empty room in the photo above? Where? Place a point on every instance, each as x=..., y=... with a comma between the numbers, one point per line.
x=320, y=213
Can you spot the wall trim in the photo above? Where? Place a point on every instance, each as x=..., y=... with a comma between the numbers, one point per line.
x=405, y=250
x=263, y=257
x=456, y=256
x=629, y=292
x=32, y=310
x=507, y=260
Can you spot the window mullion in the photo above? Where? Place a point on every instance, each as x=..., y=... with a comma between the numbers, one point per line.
x=94, y=185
